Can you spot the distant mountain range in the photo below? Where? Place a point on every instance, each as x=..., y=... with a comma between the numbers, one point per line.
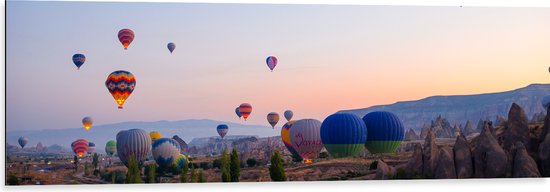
x=100, y=134
x=458, y=109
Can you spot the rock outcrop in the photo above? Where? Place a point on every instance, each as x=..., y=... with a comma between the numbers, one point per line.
x=500, y=121
x=463, y=158
x=445, y=165
x=544, y=156
x=490, y=160
x=469, y=128
x=410, y=135
x=515, y=129
x=384, y=171
x=442, y=128
x=415, y=166
x=523, y=165
x=429, y=155
x=424, y=131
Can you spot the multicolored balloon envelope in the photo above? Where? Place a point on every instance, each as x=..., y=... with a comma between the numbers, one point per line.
x=87, y=122
x=166, y=151
x=78, y=60
x=23, y=141
x=120, y=84
x=288, y=115
x=180, y=161
x=133, y=143
x=171, y=46
x=343, y=134
x=245, y=109
x=154, y=136
x=271, y=62
x=272, y=119
x=110, y=147
x=91, y=148
x=306, y=138
x=285, y=136
x=126, y=36
x=79, y=147
x=222, y=130
x=238, y=112
x=385, y=132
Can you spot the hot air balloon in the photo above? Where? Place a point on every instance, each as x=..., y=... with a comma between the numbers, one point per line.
x=133, y=142
x=110, y=147
x=222, y=130
x=545, y=100
x=285, y=136
x=171, y=46
x=154, y=136
x=343, y=134
x=126, y=36
x=166, y=151
x=23, y=141
x=384, y=132
x=180, y=161
x=78, y=60
x=245, y=109
x=238, y=112
x=91, y=148
x=80, y=147
x=87, y=122
x=306, y=138
x=288, y=115
x=120, y=84
x=272, y=119
x=271, y=62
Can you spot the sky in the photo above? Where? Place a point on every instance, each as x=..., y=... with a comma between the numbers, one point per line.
x=331, y=58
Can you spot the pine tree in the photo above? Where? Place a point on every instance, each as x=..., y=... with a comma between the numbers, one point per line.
x=113, y=177
x=276, y=170
x=225, y=167
x=151, y=173
x=75, y=161
x=183, y=176
x=202, y=179
x=95, y=161
x=86, y=169
x=133, y=175
x=235, y=167
x=194, y=178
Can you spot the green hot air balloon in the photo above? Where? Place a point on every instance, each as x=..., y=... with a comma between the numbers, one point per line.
x=110, y=147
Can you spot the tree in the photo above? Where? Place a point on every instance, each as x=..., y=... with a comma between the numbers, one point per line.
x=217, y=163
x=276, y=170
x=95, y=161
x=113, y=177
x=323, y=155
x=225, y=167
x=194, y=178
x=235, y=167
x=12, y=179
x=251, y=162
x=202, y=179
x=75, y=161
x=204, y=165
x=86, y=169
x=297, y=158
x=151, y=172
x=133, y=175
x=183, y=175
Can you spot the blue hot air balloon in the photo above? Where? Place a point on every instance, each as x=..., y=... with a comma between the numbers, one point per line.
x=343, y=134
x=222, y=130
x=166, y=151
x=23, y=141
x=180, y=161
x=133, y=142
x=78, y=60
x=288, y=115
x=385, y=132
x=171, y=46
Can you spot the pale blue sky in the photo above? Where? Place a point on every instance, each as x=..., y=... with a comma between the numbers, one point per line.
x=330, y=58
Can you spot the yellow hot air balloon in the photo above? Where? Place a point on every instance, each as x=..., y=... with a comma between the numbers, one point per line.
x=155, y=135
x=87, y=122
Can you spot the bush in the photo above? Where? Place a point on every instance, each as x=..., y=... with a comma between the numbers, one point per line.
x=217, y=163
x=373, y=165
x=297, y=158
x=204, y=165
x=251, y=162
x=12, y=180
x=323, y=155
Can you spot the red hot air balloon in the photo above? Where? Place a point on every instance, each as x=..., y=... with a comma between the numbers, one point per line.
x=245, y=109
x=271, y=62
x=126, y=36
x=79, y=147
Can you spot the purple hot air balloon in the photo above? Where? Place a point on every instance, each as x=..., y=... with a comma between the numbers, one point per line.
x=171, y=46
x=271, y=62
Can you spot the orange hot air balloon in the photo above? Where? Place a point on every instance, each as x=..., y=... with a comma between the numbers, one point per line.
x=245, y=109
x=272, y=119
x=126, y=36
x=87, y=122
x=120, y=84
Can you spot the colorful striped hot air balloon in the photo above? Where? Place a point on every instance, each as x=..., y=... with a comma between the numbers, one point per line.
x=23, y=141
x=91, y=148
x=110, y=147
x=245, y=109
x=87, y=122
x=165, y=151
x=180, y=161
x=222, y=130
x=154, y=136
x=272, y=119
x=384, y=132
x=238, y=112
x=343, y=134
x=306, y=138
x=120, y=84
x=78, y=60
x=126, y=36
x=79, y=147
x=171, y=46
x=271, y=62
x=288, y=115
x=133, y=142
x=285, y=136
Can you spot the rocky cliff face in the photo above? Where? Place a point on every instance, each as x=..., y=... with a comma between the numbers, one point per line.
x=461, y=108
